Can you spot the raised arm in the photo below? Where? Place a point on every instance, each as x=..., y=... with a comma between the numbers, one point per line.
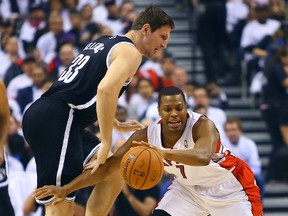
x=86, y=179
x=205, y=136
x=4, y=119
x=125, y=60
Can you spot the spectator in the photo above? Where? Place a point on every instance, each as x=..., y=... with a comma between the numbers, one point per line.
x=211, y=36
x=113, y=20
x=274, y=111
x=10, y=60
x=66, y=56
x=256, y=37
x=136, y=202
x=141, y=101
x=215, y=92
x=119, y=138
x=47, y=43
x=217, y=115
x=31, y=93
x=34, y=23
x=244, y=148
x=22, y=80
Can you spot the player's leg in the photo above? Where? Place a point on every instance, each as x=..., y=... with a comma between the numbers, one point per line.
x=59, y=209
x=178, y=201
x=51, y=131
x=104, y=195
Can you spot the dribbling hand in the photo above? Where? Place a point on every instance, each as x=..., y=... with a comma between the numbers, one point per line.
x=59, y=193
x=142, y=143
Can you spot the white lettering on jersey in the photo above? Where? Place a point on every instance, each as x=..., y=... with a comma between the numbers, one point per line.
x=94, y=46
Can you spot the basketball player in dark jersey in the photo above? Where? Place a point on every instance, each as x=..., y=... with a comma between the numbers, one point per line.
x=5, y=203
x=87, y=91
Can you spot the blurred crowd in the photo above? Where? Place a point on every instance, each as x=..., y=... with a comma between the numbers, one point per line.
x=242, y=42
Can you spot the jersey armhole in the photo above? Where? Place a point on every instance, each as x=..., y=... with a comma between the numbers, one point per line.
x=111, y=50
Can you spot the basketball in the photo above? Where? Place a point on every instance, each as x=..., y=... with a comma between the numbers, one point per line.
x=142, y=167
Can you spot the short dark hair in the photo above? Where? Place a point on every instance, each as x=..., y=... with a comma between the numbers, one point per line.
x=169, y=91
x=236, y=121
x=155, y=17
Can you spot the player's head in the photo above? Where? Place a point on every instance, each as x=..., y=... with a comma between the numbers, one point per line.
x=172, y=108
x=155, y=27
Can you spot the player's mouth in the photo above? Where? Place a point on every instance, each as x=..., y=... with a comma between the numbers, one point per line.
x=174, y=124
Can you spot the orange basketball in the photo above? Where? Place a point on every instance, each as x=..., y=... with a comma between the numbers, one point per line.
x=142, y=167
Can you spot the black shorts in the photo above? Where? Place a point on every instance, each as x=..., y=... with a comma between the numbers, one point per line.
x=3, y=175
x=55, y=136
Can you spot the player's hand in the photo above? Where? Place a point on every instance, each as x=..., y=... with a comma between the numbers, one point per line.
x=102, y=155
x=143, y=143
x=125, y=127
x=51, y=190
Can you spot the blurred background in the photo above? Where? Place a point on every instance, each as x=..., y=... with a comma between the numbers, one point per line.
x=230, y=57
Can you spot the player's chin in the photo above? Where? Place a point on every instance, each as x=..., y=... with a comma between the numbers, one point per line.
x=175, y=127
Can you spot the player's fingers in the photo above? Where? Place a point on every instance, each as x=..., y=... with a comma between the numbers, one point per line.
x=136, y=143
x=41, y=190
x=43, y=195
x=95, y=168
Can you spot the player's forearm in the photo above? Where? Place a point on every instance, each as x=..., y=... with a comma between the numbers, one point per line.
x=192, y=157
x=86, y=179
x=106, y=109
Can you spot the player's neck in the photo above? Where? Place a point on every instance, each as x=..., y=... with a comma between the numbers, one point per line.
x=133, y=35
x=169, y=141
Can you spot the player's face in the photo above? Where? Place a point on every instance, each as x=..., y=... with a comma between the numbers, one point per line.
x=173, y=112
x=155, y=41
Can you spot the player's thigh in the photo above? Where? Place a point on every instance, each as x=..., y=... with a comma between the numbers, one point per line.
x=178, y=203
x=242, y=208
x=61, y=208
x=159, y=212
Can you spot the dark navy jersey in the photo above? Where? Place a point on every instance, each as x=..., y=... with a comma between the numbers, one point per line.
x=77, y=84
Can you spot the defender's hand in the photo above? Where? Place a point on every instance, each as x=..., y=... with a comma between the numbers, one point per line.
x=51, y=190
x=102, y=155
x=129, y=126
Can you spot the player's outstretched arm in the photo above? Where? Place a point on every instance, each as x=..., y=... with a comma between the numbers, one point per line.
x=4, y=119
x=86, y=179
x=125, y=60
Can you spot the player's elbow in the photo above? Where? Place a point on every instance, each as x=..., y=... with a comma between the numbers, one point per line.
x=204, y=159
x=104, y=91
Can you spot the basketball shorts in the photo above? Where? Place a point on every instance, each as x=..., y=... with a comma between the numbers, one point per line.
x=56, y=139
x=227, y=198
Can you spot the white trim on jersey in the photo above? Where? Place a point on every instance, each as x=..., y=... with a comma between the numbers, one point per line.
x=49, y=201
x=64, y=148
x=110, y=51
x=5, y=183
x=91, y=154
x=83, y=106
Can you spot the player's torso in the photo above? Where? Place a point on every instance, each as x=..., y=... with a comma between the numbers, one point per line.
x=77, y=84
x=211, y=174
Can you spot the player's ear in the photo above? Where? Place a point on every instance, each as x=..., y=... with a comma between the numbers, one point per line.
x=146, y=28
